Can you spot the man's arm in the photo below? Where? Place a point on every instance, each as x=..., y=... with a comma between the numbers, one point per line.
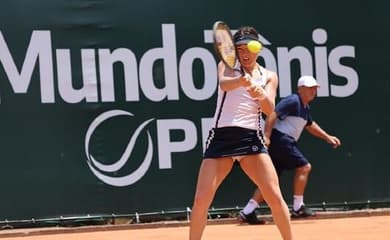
x=315, y=130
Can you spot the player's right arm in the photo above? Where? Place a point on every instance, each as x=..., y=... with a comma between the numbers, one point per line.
x=230, y=79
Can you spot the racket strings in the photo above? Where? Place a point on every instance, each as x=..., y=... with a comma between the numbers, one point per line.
x=224, y=45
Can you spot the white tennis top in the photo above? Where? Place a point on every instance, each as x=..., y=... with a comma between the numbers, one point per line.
x=237, y=108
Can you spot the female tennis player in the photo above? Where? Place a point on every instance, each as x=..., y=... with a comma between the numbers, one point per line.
x=243, y=94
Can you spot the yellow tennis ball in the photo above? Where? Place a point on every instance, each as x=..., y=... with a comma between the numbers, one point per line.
x=254, y=46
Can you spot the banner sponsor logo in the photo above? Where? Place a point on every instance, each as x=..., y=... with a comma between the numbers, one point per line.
x=101, y=170
x=178, y=71
x=165, y=146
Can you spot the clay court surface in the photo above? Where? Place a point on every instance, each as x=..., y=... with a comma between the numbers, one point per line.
x=348, y=228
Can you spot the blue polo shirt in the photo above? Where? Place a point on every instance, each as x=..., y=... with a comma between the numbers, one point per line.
x=293, y=116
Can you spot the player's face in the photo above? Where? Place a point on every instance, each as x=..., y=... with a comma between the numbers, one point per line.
x=246, y=57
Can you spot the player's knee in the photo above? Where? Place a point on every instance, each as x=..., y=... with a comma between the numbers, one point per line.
x=306, y=169
x=274, y=198
x=275, y=201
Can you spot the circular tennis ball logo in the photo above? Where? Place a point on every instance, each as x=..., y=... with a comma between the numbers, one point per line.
x=254, y=46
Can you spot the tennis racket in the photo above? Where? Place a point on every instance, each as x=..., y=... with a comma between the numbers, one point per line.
x=224, y=45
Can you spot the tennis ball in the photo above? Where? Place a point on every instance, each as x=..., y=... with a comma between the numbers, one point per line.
x=254, y=46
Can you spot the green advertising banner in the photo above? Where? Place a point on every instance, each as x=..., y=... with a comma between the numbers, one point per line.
x=105, y=105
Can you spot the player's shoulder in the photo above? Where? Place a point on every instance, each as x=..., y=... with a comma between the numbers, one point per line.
x=270, y=73
x=222, y=67
x=272, y=76
x=221, y=64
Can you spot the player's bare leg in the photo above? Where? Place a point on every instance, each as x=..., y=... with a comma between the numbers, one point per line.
x=211, y=174
x=262, y=172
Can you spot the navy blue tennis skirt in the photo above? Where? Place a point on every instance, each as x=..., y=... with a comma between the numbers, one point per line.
x=233, y=141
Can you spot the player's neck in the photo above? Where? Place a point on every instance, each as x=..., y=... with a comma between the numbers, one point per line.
x=249, y=69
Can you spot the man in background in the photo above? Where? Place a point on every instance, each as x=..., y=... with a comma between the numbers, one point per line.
x=282, y=131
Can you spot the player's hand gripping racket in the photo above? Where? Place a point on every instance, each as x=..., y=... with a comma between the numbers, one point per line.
x=224, y=45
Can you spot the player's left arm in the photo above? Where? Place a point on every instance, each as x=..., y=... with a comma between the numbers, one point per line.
x=268, y=102
x=315, y=130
